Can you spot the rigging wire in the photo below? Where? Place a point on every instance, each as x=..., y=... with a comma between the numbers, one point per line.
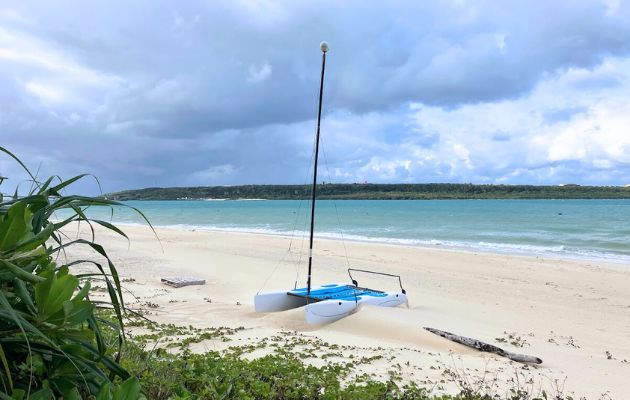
x=339, y=225
x=297, y=264
x=292, y=237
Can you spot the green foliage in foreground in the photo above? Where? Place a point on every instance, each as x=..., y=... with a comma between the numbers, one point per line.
x=212, y=376
x=428, y=191
x=51, y=341
x=282, y=374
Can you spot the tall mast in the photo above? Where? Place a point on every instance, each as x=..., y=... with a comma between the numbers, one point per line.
x=324, y=47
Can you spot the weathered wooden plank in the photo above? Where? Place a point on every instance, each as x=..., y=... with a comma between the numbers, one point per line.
x=180, y=281
x=482, y=346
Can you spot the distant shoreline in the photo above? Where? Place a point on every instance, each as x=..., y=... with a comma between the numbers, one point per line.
x=361, y=191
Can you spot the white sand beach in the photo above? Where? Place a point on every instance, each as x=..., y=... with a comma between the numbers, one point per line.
x=575, y=315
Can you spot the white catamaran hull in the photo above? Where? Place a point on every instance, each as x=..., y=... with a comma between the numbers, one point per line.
x=327, y=311
x=277, y=301
x=323, y=310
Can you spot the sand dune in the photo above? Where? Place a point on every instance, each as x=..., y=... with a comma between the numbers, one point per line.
x=568, y=313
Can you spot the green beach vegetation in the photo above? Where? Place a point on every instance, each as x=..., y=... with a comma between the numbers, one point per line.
x=174, y=371
x=425, y=191
x=51, y=340
x=57, y=342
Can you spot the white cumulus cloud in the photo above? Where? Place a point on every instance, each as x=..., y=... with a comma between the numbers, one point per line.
x=259, y=74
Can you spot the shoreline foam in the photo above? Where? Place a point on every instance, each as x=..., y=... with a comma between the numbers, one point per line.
x=559, y=252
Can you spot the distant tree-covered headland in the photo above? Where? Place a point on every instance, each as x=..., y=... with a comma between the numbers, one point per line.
x=424, y=191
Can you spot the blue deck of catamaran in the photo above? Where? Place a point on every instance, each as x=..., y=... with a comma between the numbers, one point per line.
x=336, y=292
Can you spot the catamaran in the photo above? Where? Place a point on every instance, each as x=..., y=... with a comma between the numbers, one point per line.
x=330, y=302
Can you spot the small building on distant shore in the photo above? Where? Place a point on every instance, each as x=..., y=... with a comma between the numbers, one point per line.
x=568, y=185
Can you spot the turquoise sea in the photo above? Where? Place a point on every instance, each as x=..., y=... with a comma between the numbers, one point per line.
x=588, y=229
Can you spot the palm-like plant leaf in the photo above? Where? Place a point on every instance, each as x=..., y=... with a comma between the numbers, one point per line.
x=47, y=320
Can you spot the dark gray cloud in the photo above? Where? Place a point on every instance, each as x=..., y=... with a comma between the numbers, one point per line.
x=163, y=93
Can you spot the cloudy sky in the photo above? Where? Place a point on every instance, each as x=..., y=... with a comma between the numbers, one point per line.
x=162, y=93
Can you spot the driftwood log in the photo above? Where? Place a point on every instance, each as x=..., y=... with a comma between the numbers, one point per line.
x=481, y=346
